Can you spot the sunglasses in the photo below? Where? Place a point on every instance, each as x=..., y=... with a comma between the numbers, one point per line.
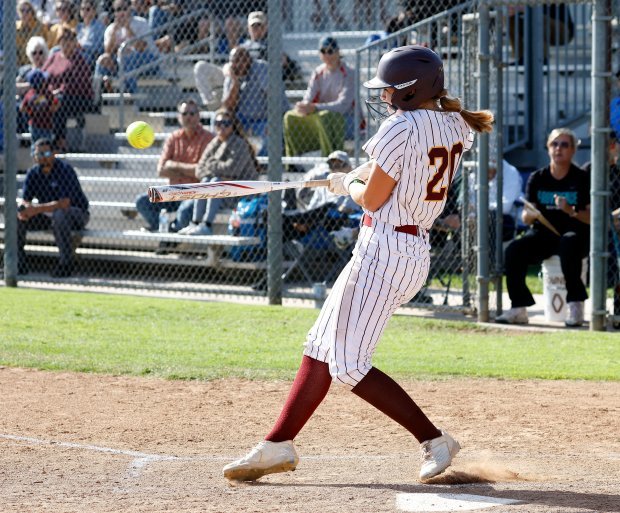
x=560, y=144
x=38, y=52
x=223, y=122
x=328, y=51
x=336, y=164
x=25, y=9
x=46, y=153
x=189, y=113
x=121, y=9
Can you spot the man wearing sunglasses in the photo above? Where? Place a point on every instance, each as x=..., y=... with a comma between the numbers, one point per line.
x=60, y=205
x=177, y=162
x=325, y=115
x=561, y=193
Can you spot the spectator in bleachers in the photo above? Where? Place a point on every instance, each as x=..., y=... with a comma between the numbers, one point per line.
x=37, y=53
x=67, y=18
x=46, y=11
x=61, y=206
x=512, y=185
x=27, y=27
x=257, y=45
x=90, y=32
x=561, y=193
x=71, y=82
x=614, y=109
x=324, y=117
x=179, y=157
x=363, y=13
x=139, y=53
x=246, y=91
x=230, y=156
x=39, y=106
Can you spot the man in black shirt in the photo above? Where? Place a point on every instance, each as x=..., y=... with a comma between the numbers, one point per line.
x=61, y=206
x=561, y=193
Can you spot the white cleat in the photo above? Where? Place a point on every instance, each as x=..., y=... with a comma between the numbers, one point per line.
x=437, y=455
x=513, y=316
x=265, y=458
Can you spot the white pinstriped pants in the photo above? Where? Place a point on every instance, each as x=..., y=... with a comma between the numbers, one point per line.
x=386, y=270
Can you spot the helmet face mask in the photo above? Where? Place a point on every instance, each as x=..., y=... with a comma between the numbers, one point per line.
x=379, y=109
x=416, y=74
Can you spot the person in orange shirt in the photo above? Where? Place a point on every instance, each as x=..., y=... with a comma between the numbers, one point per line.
x=179, y=157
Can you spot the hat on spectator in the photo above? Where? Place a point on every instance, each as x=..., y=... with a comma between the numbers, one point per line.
x=36, y=77
x=257, y=17
x=339, y=155
x=328, y=43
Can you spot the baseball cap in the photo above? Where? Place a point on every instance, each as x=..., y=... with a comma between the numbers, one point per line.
x=257, y=17
x=339, y=155
x=328, y=42
x=36, y=77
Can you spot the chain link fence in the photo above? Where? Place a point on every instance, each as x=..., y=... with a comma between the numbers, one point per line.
x=198, y=73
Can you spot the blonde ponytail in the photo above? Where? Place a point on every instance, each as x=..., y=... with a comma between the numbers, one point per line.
x=478, y=120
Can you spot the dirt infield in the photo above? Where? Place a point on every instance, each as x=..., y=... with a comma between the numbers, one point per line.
x=79, y=442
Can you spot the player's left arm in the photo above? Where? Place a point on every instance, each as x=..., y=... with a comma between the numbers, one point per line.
x=375, y=192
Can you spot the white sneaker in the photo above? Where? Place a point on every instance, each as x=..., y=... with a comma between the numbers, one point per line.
x=188, y=229
x=265, y=458
x=437, y=455
x=516, y=315
x=575, y=314
x=201, y=229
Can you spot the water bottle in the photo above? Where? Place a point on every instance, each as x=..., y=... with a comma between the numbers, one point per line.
x=164, y=226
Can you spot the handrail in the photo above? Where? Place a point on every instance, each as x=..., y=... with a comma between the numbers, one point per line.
x=122, y=75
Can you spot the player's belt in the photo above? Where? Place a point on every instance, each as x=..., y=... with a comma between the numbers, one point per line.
x=411, y=229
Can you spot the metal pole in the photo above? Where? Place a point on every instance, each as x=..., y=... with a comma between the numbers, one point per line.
x=499, y=158
x=274, y=126
x=599, y=188
x=482, y=197
x=10, y=144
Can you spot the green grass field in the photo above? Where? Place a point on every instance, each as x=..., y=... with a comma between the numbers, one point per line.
x=182, y=339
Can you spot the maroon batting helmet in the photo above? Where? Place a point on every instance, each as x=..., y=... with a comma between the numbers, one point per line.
x=416, y=72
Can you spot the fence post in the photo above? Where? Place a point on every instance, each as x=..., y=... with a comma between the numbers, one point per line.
x=482, y=198
x=274, y=126
x=599, y=188
x=10, y=144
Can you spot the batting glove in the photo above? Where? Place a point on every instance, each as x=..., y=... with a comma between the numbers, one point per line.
x=336, y=185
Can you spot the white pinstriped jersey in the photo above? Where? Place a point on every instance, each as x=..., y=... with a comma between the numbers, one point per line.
x=421, y=150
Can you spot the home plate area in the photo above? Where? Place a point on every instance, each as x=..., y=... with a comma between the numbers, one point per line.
x=447, y=502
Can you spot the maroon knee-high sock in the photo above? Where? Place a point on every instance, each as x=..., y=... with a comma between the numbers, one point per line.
x=308, y=390
x=378, y=389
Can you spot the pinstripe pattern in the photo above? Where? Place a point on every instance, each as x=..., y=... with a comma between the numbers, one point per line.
x=387, y=267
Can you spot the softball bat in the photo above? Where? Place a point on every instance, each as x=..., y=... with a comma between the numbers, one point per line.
x=158, y=194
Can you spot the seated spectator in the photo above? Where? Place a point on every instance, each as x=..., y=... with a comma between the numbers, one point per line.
x=141, y=9
x=162, y=12
x=46, y=11
x=229, y=156
x=71, y=82
x=37, y=53
x=511, y=191
x=413, y=11
x=561, y=193
x=257, y=45
x=179, y=157
x=325, y=115
x=614, y=110
x=61, y=206
x=137, y=54
x=246, y=92
x=27, y=27
x=39, y=105
x=90, y=32
x=67, y=18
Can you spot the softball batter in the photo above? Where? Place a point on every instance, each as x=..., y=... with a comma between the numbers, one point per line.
x=414, y=157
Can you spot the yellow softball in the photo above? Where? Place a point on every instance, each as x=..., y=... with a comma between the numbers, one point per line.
x=140, y=134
